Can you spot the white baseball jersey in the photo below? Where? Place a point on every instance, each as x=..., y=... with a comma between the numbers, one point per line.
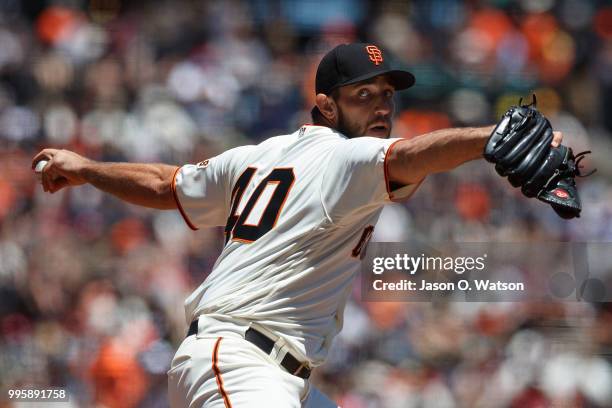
x=295, y=209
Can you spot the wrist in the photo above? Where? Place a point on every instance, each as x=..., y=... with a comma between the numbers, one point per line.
x=87, y=169
x=483, y=133
x=482, y=136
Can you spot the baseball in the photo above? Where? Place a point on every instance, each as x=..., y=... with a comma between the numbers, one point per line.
x=39, y=168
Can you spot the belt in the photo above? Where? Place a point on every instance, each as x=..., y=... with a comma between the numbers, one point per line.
x=289, y=363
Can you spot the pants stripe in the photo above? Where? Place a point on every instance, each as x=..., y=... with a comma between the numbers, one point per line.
x=215, y=368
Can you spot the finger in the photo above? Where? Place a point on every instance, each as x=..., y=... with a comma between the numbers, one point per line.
x=58, y=183
x=557, y=139
x=45, y=154
x=47, y=175
x=51, y=183
x=45, y=182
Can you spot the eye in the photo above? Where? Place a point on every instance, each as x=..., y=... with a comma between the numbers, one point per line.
x=363, y=93
x=389, y=94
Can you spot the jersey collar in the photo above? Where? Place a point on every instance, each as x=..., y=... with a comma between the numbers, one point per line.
x=310, y=129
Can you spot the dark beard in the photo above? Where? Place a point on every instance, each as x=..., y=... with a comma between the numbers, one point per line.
x=345, y=127
x=349, y=129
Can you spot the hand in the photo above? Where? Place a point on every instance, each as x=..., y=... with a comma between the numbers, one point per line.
x=557, y=139
x=64, y=169
x=525, y=149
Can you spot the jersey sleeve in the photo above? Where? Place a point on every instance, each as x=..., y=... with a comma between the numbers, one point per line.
x=356, y=177
x=201, y=191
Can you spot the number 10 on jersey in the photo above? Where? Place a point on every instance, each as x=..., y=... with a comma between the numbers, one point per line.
x=260, y=213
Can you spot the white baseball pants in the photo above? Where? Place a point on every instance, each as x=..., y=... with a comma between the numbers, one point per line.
x=230, y=372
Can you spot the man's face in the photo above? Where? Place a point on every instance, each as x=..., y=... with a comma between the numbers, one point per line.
x=366, y=108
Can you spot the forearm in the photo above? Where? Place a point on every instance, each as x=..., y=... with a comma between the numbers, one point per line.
x=413, y=159
x=148, y=185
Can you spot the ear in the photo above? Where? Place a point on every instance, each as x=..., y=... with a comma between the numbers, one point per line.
x=328, y=107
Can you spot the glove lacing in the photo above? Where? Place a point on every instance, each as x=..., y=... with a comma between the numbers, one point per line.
x=578, y=158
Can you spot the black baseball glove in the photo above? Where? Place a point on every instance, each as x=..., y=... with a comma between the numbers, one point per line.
x=520, y=147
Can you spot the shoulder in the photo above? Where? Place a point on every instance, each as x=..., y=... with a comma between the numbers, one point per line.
x=365, y=141
x=271, y=141
x=364, y=148
x=277, y=140
x=239, y=156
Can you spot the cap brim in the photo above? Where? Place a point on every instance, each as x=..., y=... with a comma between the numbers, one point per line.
x=399, y=79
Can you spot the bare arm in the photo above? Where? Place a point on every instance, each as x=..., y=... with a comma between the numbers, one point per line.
x=148, y=185
x=413, y=159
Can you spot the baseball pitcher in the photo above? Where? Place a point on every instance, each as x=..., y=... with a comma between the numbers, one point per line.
x=298, y=210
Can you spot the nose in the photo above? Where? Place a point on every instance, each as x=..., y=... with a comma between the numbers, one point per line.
x=384, y=106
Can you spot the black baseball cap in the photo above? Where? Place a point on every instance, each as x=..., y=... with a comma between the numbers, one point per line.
x=350, y=63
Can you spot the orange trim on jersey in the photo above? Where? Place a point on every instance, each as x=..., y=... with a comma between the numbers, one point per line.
x=388, y=182
x=178, y=203
x=386, y=167
x=244, y=241
x=215, y=367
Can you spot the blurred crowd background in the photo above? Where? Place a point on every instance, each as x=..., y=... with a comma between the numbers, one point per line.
x=91, y=289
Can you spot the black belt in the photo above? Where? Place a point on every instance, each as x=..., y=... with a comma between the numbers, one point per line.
x=290, y=363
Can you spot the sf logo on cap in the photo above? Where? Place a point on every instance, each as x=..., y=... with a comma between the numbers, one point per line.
x=375, y=54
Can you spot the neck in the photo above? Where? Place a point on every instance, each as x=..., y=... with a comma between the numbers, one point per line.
x=320, y=120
